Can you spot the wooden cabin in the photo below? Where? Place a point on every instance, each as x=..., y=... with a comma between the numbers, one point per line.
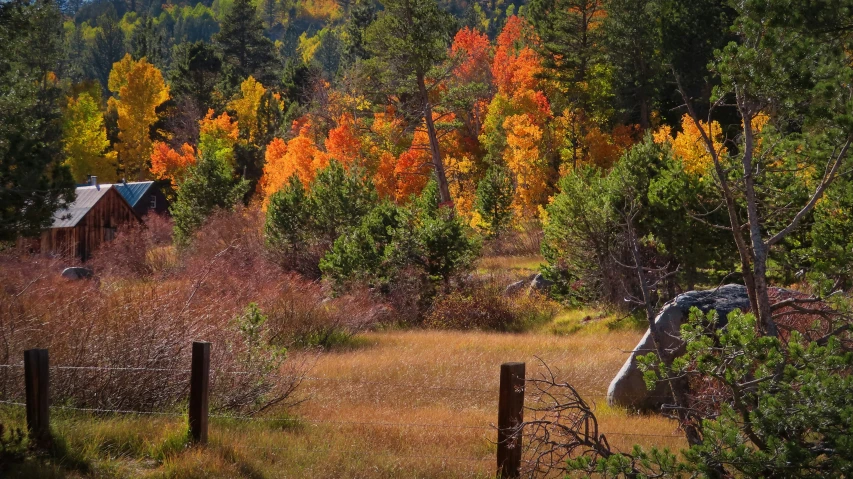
x=143, y=196
x=92, y=219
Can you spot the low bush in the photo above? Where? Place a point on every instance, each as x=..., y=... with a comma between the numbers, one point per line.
x=482, y=304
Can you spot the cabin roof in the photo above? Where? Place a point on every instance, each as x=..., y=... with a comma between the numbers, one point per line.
x=87, y=197
x=133, y=191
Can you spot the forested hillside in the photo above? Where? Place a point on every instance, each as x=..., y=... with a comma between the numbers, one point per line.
x=512, y=93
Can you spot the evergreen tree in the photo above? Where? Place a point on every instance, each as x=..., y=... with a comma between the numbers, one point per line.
x=353, y=48
x=195, y=74
x=287, y=217
x=572, y=48
x=495, y=193
x=108, y=47
x=209, y=185
x=408, y=40
x=440, y=242
x=633, y=41
x=339, y=200
x=74, y=65
x=33, y=181
x=242, y=44
x=147, y=42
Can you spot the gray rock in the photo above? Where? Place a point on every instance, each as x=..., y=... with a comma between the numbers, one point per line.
x=539, y=283
x=77, y=272
x=628, y=388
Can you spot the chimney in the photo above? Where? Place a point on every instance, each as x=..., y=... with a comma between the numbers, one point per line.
x=93, y=180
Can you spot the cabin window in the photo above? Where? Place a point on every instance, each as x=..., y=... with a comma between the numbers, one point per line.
x=153, y=204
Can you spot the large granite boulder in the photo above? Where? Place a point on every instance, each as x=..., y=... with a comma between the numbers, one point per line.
x=76, y=272
x=628, y=388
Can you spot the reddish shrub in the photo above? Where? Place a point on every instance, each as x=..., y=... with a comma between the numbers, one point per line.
x=134, y=315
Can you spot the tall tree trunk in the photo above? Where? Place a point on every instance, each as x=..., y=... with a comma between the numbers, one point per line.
x=759, y=248
x=437, y=164
x=678, y=385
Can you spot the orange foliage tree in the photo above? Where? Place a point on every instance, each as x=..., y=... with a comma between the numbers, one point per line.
x=217, y=136
x=299, y=156
x=343, y=143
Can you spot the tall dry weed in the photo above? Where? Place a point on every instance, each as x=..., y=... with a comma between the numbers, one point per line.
x=139, y=321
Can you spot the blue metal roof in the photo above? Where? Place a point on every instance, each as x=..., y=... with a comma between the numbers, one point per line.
x=133, y=191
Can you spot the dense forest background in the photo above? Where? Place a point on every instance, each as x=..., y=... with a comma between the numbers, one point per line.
x=520, y=112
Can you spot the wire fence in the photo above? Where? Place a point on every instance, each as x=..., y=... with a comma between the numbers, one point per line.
x=312, y=421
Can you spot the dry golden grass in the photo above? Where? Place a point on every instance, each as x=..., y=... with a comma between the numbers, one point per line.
x=519, y=266
x=399, y=378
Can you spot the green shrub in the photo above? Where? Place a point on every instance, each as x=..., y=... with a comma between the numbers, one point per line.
x=783, y=407
x=208, y=186
x=301, y=226
x=494, y=200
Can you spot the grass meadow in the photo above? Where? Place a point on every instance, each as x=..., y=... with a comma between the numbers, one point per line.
x=397, y=378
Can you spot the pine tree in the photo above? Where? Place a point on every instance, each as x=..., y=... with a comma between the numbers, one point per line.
x=108, y=48
x=353, y=48
x=147, y=42
x=195, y=74
x=242, y=44
x=494, y=199
x=209, y=185
x=408, y=39
x=33, y=181
x=572, y=48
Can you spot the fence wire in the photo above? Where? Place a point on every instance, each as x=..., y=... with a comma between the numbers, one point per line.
x=394, y=384
x=318, y=421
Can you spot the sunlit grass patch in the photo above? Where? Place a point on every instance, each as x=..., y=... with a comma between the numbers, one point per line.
x=515, y=265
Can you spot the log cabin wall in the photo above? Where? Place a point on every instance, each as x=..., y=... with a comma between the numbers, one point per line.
x=98, y=225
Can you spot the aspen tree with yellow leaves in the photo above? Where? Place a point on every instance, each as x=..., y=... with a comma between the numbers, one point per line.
x=139, y=89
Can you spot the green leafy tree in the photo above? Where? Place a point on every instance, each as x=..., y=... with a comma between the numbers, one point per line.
x=407, y=41
x=33, y=181
x=579, y=238
x=339, y=200
x=584, y=235
x=426, y=240
x=438, y=241
x=493, y=202
x=791, y=72
x=85, y=140
x=287, y=217
x=302, y=226
x=209, y=185
x=831, y=249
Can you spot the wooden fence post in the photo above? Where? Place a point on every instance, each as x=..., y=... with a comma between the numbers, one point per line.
x=37, y=383
x=510, y=416
x=199, y=391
